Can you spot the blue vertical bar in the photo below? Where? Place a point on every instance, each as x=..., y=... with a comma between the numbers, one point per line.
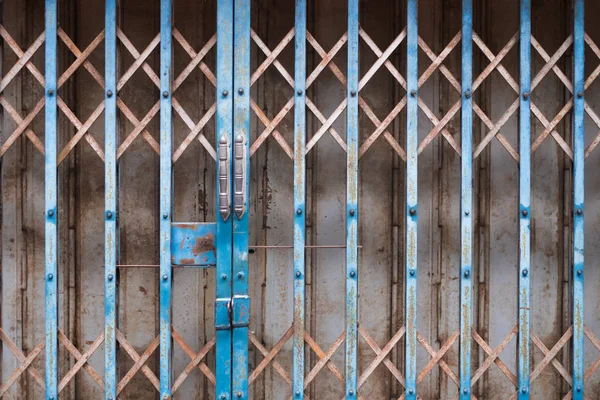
x=352, y=204
x=412, y=143
x=466, y=285
x=524, y=200
x=165, y=197
x=578, y=201
x=51, y=184
x=110, y=202
x=224, y=124
x=299, y=198
x=241, y=129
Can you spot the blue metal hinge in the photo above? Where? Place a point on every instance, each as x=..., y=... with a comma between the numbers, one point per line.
x=232, y=312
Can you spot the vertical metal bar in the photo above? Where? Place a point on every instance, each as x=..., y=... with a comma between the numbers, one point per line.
x=466, y=285
x=412, y=143
x=224, y=124
x=241, y=129
x=110, y=202
x=165, y=197
x=524, y=200
x=51, y=184
x=299, y=198
x=578, y=201
x=352, y=203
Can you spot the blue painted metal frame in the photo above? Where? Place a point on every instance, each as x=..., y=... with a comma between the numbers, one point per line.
x=51, y=200
x=299, y=199
x=578, y=201
x=466, y=284
x=241, y=126
x=412, y=143
x=193, y=244
x=524, y=343
x=352, y=202
x=224, y=125
x=166, y=139
x=110, y=202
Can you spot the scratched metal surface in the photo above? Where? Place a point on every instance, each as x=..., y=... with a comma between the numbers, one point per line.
x=381, y=204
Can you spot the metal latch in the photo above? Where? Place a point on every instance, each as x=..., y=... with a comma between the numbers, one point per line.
x=232, y=312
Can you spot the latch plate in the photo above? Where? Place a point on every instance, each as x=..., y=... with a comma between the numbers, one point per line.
x=232, y=312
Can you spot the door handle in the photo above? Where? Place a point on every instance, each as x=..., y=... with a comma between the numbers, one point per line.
x=224, y=178
x=239, y=181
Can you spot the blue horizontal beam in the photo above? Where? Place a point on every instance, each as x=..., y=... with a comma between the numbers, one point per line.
x=193, y=244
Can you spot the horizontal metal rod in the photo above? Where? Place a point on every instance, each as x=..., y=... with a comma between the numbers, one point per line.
x=332, y=246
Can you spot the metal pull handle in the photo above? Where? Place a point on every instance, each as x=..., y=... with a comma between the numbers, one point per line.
x=239, y=180
x=224, y=176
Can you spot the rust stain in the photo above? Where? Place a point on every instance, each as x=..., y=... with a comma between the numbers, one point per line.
x=185, y=261
x=204, y=244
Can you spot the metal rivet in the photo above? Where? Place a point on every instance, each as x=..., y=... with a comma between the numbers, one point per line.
x=579, y=272
x=525, y=213
x=166, y=397
x=351, y=392
x=579, y=388
x=524, y=390
x=410, y=391
x=299, y=211
x=165, y=94
x=526, y=95
x=467, y=212
x=412, y=211
x=353, y=273
x=109, y=93
x=109, y=214
x=298, y=274
x=240, y=275
x=413, y=93
x=579, y=211
x=165, y=215
x=297, y=393
x=353, y=93
x=223, y=396
x=412, y=272
x=225, y=93
x=352, y=213
x=51, y=397
x=51, y=92
x=110, y=398
x=580, y=94
x=465, y=390
x=239, y=394
x=525, y=272
x=50, y=213
x=224, y=276
x=468, y=94
x=240, y=91
x=50, y=276
x=467, y=273
x=165, y=277
x=299, y=92
x=110, y=277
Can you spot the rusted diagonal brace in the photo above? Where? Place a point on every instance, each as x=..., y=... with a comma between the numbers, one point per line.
x=381, y=355
x=196, y=360
x=82, y=360
x=25, y=363
x=139, y=362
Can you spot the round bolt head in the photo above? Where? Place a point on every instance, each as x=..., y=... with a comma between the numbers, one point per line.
x=465, y=390
x=579, y=272
x=353, y=93
x=165, y=94
x=109, y=93
x=299, y=211
x=525, y=272
x=224, y=276
x=50, y=276
x=223, y=396
x=239, y=394
x=412, y=272
x=579, y=94
x=110, y=277
x=579, y=211
x=298, y=274
x=352, y=212
x=165, y=277
x=240, y=275
x=225, y=93
x=351, y=392
x=525, y=213
x=165, y=216
x=467, y=273
x=353, y=273
x=579, y=388
x=467, y=212
x=468, y=94
x=412, y=211
x=297, y=393
x=526, y=95
x=50, y=213
x=109, y=214
x=413, y=93
x=240, y=91
x=51, y=92
x=524, y=390
x=299, y=92
x=410, y=391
